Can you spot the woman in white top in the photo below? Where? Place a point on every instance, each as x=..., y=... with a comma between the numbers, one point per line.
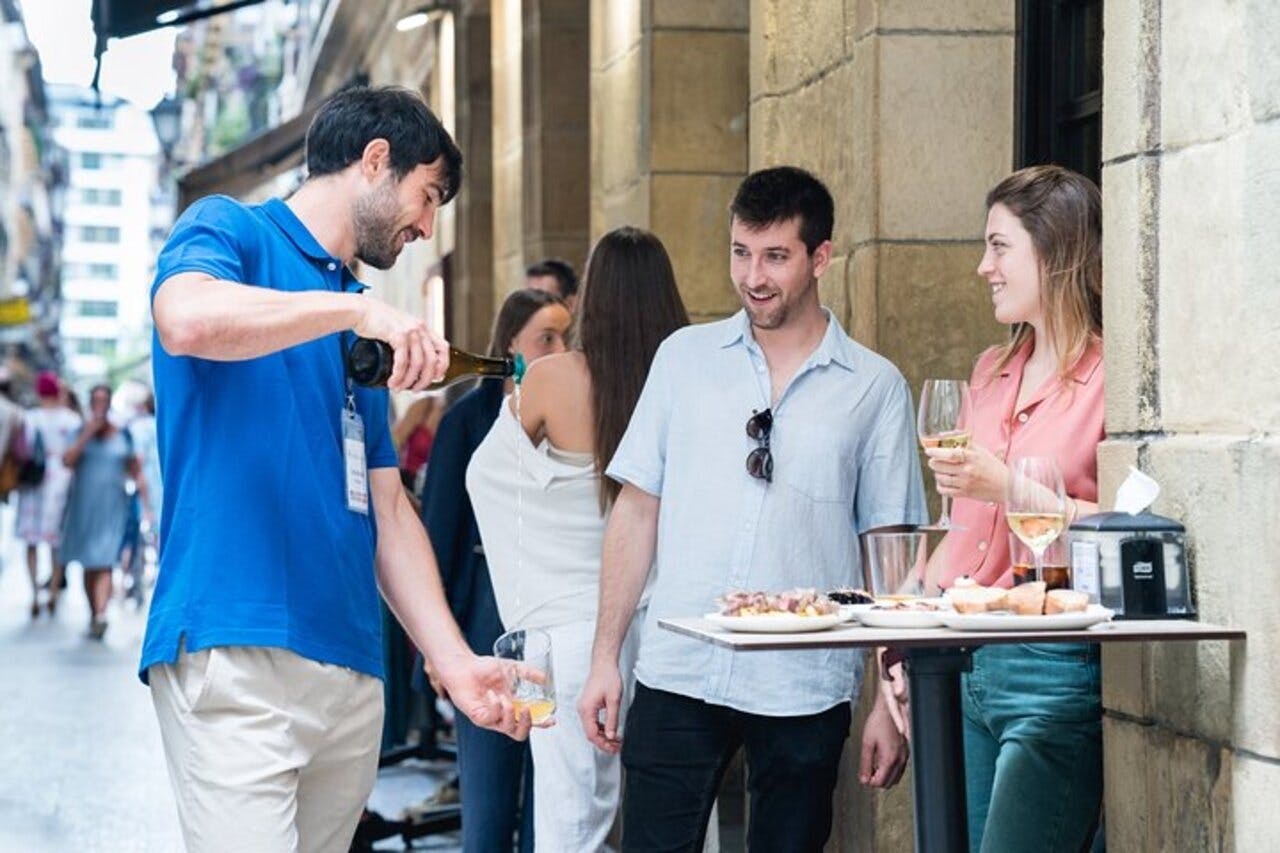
x=40, y=507
x=541, y=502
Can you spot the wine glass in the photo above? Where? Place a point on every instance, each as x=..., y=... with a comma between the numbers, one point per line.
x=531, y=647
x=895, y=566
x=943, y=421
x=1036, y=504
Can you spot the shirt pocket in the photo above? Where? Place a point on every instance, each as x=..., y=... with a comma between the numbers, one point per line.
x=815, y=463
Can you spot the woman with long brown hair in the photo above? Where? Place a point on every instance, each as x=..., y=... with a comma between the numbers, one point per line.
x=1033, y=739
x=541, y=500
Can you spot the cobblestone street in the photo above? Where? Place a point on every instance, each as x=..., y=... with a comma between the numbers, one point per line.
x=81, y=767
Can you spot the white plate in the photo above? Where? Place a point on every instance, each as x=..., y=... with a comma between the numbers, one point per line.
x=1004, y=621
x=877, y=616
x=848, y=613
x=776, y=623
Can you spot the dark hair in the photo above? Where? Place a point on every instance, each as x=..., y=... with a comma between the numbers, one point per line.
x=771, y=196
x=356, y=116
x=630, y=304
x=101, y=386
x=562, y=271
x=515, y=312
x=1062, y=211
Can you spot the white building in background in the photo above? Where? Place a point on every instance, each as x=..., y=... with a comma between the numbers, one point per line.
x=111, y=231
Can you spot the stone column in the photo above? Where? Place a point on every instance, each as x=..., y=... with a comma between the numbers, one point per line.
x=668, y=132
x=472, y=293
x=541, y=135
x=508, y=147
x=1191, y=198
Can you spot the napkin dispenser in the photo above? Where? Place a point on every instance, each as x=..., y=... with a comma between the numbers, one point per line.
x=1133, y=563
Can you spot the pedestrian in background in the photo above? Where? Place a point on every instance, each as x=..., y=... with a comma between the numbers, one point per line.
x=556, y=277
x=541, y=501
x=102, y=460
x=493, y=770
x=41, y=506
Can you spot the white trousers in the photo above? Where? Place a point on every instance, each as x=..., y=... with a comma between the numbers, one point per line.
x=577, y=788
x=267, y=751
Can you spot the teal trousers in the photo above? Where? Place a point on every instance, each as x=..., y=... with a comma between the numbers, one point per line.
x=1033, y=747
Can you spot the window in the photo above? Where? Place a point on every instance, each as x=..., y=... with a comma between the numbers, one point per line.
x=99, y=234
x=105, y=347
x=1059, y=84
x=96, y=120
x=95, y=195
x=95, y=160
x=106, y=272
x=94, y=308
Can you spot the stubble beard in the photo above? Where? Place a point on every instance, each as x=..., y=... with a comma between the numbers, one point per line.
x=377, y=238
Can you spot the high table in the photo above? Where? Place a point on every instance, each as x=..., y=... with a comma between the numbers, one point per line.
x=935, y=657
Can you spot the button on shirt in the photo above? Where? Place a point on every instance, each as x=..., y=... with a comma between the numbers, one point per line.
x=1060, y=420
x=843, y=444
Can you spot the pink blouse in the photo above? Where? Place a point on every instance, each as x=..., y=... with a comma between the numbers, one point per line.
x=1060, y=420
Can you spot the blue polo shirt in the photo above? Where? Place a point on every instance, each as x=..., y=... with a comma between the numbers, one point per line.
x=258, y=546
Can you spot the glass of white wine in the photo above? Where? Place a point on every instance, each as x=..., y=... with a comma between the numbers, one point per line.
x=531, y=647
x=1036, y=505
x=943, y=421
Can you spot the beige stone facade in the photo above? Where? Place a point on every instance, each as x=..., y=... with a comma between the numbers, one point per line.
x=1191, y=198
x=577, y=116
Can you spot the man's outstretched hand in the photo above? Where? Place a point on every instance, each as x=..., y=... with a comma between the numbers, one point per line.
x=480, y=687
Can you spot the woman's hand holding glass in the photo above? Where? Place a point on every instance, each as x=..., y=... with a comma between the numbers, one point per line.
x=968, y=472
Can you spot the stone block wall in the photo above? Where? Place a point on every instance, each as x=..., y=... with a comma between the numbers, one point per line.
x=1191, y=135
x=669, y=132
x=905, y=110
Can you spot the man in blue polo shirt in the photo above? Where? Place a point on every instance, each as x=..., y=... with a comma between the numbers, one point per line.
x=283, y=506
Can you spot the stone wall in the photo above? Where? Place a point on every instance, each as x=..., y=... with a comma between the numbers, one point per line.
x=540, y=136
x=668, y=132
x=905, y=109
x=1191, y=200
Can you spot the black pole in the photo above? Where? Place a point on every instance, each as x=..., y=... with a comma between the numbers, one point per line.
x=937, y=746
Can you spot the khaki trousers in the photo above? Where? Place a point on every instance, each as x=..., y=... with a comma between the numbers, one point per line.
x=268, y=752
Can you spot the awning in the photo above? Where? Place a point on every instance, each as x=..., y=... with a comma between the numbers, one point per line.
x=124, y=18
x=250, y=165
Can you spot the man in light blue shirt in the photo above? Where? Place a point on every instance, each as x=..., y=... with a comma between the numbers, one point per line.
x=762, y=448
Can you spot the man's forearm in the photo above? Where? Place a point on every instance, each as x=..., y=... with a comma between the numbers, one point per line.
x=224, y=321
x=628, y=556
x=410, y=580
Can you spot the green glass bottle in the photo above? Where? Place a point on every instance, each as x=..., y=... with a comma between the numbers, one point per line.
x=369, y=363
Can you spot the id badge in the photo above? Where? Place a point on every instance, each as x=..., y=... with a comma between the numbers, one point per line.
x=356, y=465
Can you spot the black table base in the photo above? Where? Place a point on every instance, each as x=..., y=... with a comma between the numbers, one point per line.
x=937, y=747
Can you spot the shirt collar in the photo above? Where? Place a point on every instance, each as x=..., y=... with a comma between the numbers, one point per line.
x=292, y=226
x=288, y=222
x=1081, y=372
x=835, y=346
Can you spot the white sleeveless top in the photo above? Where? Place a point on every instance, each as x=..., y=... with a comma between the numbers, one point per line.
x=562, y=533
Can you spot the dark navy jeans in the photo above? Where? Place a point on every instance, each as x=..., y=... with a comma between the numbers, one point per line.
x=495, y=776
x=1033, y=747
x=675, y=751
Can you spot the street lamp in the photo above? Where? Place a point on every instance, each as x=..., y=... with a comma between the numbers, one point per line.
x=167, y=118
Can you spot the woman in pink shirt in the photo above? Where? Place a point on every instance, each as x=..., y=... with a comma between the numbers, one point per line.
x=1033, y=739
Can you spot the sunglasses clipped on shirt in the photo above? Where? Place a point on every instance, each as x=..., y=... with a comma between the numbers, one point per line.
x=760, y=460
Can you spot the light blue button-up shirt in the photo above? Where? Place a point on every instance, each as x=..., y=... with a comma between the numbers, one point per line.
x=845, y=462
